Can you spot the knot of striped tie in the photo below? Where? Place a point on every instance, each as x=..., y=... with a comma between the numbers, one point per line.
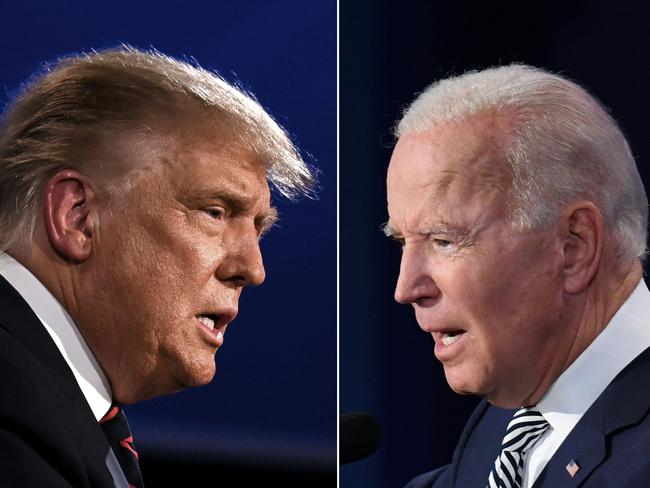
x=524, y=430
x=118, y=433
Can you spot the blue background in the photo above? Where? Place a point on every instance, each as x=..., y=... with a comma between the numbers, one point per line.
x=389, y=51
x=273, y=401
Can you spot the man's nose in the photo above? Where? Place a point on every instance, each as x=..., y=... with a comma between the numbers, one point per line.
x=414, y=282
x=243, y=264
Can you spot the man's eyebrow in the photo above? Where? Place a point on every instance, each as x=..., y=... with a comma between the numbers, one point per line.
x=233, y=200
x=236, y=203
x=445, y=229
x=390, y=231
x=265, y=221
x=441, y=228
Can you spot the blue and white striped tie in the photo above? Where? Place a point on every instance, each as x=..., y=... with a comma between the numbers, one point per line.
x=525, y=428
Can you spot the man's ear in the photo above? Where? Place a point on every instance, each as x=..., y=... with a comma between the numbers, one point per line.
x=583, y=235
x=69, y=207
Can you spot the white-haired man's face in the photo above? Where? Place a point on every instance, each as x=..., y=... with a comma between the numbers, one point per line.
x=490, y=297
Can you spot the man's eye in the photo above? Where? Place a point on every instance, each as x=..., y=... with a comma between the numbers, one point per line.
x=216, y=213
x=442, y=243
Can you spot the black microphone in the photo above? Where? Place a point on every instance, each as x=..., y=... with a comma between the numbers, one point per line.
x=359, y=436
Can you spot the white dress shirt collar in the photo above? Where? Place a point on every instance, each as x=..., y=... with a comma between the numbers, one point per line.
x=626, y=336
x=85, y=368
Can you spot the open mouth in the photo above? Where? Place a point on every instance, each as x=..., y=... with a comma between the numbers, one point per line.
x=448, y=338
x=208, y=320
x=215, y=321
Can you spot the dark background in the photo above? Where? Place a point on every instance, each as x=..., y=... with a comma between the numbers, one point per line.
x=389, y=51
x=270, y=413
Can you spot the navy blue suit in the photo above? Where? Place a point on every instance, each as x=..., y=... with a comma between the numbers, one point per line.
x=610, y=443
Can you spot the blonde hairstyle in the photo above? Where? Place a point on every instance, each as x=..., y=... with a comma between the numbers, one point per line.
x=82, y=102
x=560, y=143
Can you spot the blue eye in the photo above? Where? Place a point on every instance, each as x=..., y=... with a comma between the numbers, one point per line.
x=442, y=243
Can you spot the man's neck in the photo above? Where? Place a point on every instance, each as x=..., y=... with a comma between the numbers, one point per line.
x=605, y=297
x=588, y=317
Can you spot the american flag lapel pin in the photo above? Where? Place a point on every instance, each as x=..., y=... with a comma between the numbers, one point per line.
x=572, y=468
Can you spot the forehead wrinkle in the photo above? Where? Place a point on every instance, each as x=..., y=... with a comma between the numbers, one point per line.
x=442, y=227
x=237, y=182
x=474, y=175
x=453, y=190
x=441, y=209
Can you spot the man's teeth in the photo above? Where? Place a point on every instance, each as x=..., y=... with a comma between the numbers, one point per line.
x=207, y=321
x=448, y=339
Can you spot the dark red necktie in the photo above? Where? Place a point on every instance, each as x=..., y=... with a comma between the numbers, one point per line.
x=117, y=431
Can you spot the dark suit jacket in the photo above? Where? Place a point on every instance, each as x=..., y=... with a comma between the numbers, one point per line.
x=610, y=443
x=49, y=437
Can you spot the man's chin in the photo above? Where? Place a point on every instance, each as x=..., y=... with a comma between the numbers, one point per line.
x=463, y=384
x=182, y=377
x=197, y=374
x=495, y=396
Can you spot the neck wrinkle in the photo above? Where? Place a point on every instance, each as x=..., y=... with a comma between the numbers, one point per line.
x=607, y=294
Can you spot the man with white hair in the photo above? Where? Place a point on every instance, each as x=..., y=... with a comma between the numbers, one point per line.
x=523, y=223
x=133, y=194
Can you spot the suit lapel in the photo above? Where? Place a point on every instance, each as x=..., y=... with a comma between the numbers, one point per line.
x=610, y=414
x=585, y=445
x=21, y=322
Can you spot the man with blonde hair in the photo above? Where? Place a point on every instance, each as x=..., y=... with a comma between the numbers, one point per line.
x=133, y=194
x=523, y=222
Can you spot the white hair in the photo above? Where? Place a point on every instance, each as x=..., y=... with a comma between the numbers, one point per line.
x=560, y=143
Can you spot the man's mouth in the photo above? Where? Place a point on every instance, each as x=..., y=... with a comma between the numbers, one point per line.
x=215, y=322
x=207, y=320
x=448, y=338
x=214, y=325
